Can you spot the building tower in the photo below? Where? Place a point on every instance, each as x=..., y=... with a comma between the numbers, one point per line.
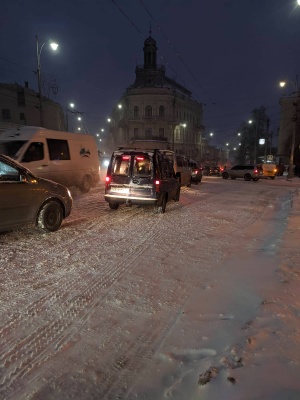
x=156, y=107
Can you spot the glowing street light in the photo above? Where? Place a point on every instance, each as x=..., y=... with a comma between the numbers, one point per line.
x=211, y=134
x=120, y=106
x=108, y=119
x=294, y=83
x=39, y=49
x=79, y=118
x=102, y=130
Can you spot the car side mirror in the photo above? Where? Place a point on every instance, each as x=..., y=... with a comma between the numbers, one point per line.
x=23, y=178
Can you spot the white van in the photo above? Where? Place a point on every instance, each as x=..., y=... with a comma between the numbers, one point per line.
x=70, y=159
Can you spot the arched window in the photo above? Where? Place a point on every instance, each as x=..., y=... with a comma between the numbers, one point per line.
x=161, y=111
x=148, y=111
x=136, y=111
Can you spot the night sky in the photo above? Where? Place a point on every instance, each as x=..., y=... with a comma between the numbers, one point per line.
x=230, y=53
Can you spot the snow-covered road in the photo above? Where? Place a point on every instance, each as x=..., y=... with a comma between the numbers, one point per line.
x=130, y=304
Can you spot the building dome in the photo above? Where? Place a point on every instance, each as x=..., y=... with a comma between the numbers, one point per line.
x=150, y=41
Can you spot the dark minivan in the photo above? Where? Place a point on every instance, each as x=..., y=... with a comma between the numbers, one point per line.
x=140, y=177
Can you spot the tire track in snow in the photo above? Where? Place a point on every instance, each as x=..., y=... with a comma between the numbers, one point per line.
x=33, y=349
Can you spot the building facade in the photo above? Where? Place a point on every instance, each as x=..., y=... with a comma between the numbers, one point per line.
x=156, y=107
x=19, y=105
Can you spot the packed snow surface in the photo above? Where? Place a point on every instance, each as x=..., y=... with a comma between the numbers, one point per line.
x=202, y=302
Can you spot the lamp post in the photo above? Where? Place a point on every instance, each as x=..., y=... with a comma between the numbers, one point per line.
x=294, y=119
x=255, y=138
x=77, y=113
x=39, y=49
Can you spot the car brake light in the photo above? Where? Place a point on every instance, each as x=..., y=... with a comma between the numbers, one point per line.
x=125, y=158
x=196, y=172
x=107, y=179
x=157, y=183
x=256, y=171
x=140, y=158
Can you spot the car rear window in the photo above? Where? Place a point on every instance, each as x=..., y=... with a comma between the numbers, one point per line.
x=121, y=165
x=142, y=165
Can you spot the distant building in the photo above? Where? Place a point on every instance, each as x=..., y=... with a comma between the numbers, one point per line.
x=289, y=125
x=19, y=105
x=157, y=107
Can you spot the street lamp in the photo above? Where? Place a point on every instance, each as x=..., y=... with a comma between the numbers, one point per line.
x=295, y=84
x=294, y=119
x=39, y=49
x=255, y=138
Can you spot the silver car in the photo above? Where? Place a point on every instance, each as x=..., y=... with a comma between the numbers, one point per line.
x=27, y=199
x=247, y=172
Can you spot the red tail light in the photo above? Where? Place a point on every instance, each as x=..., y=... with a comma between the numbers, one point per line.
x=125, y=158
x=256, y=171
x=196, y=171
x=107, y=179
x=140, y=158
x=157, y=184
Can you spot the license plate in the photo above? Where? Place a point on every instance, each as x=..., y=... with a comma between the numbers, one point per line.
x=121, y=190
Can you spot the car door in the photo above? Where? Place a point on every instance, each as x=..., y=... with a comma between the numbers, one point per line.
x=171, y=180
x=15, y=198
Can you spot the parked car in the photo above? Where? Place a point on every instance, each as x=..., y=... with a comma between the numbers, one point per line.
x=28, y=199
x=209, y=170
x=140, y=177
x=196, y=172
x=248, y=172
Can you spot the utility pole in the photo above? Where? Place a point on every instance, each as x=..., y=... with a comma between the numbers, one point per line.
x=267, y=140
x=291, y=163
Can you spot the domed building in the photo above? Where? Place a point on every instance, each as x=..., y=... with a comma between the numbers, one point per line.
x=156, y=107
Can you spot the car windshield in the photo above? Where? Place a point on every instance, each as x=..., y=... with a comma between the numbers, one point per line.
x=12, y=148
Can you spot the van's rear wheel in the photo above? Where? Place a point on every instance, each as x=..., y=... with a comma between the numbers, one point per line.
x=162, y=208
x=113, y=206
x=86, y=184
x=247, y=177
x=50, y=217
